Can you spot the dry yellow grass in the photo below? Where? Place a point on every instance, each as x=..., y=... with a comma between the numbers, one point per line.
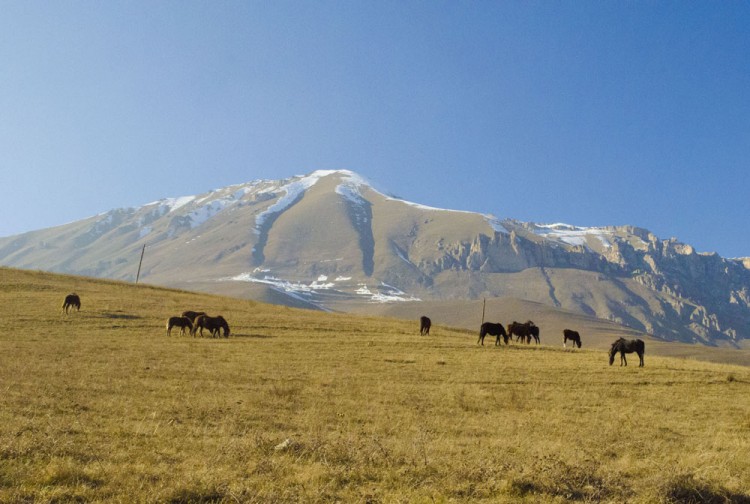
x=300, y=406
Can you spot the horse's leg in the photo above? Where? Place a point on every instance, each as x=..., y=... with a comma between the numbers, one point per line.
x=623, y=359
x=640, y=356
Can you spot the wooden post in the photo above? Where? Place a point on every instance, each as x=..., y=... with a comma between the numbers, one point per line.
x=139, y=264
x=484, y=303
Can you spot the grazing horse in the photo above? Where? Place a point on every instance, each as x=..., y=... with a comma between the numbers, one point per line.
x=213, y=324
x=570, y=334
x=523, y=331
x=181, y=322
x=496, y=330
x=71, y=301
x=533, y=332
x=192, y=315
x=627, y=346
x=424, y=325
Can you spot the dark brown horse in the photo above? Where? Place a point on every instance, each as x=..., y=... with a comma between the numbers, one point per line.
x=71, y=301
x=570, y=334
x=496, y=330
x=192, y=315
x=213, y=324
x=424, y=325
x=181, y=322
x=524, y=331
x=627, y=346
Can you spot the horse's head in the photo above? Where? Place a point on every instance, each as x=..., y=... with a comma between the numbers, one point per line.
x=614, y=349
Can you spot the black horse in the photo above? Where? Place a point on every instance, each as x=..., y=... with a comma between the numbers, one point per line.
x=570, y=334
x=71, y=301
x=496, y=330
x=213, y=324
x=627, y=346
x=424, y=325
x=524, y=331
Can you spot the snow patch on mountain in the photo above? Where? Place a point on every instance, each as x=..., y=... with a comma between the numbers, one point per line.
x=293, y=190
x=572, y=235
x=173, y=204
x=385, y=294
x=307, y=290
x=496, y=224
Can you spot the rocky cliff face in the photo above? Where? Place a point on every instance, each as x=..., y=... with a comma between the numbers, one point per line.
x=332, y=239
x=705, y=294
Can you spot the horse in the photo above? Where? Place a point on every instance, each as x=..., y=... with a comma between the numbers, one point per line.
x=192, y=315
x=627, y=346
x=424, y=325
x=533, y=332
x=213, y=324
x=496, y=330
x=181, y=322
x=570, y=334
x=520, y=330
x=71, y=301
x=523, y=331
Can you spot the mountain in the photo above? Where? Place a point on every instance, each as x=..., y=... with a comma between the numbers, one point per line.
x=331, y=240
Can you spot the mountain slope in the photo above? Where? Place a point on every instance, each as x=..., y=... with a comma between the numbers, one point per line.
x=330, y=239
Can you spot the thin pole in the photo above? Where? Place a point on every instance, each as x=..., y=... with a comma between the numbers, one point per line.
x=484, y=303
x=139, y=264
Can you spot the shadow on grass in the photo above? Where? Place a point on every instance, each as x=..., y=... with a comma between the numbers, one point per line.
x=252, y=335
x=120, y=316
x=197, y=495
x=685, y=489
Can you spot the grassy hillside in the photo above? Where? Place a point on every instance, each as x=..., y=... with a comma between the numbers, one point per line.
x=595, y=333
x=303, y=406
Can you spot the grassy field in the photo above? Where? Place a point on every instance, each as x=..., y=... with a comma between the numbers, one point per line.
x=300, y=406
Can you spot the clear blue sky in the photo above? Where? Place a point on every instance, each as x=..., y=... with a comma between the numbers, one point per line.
x=590, y=113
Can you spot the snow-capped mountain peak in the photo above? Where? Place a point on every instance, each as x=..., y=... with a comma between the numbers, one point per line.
x=288, y=234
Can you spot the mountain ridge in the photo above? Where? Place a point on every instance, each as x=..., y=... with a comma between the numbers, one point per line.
x=330, y=239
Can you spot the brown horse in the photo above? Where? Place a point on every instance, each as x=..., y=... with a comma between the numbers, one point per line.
x=424, y=325
x=71, y=301
x=570, y=334
x=627, y=346
x=213, y=324
x=524, y=331
x=181, y=322
x=496, y=330
x=192, y=315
